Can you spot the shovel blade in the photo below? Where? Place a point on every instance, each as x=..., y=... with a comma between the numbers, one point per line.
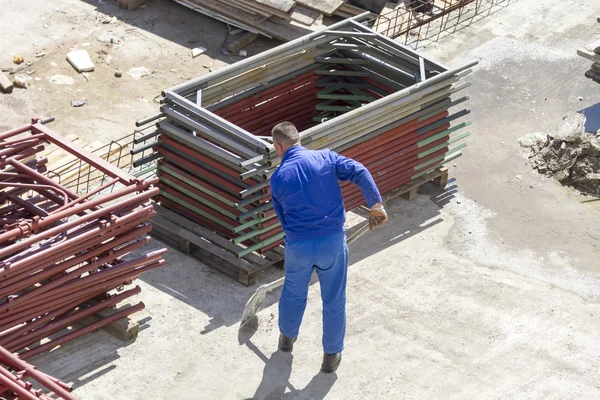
x=254, y=305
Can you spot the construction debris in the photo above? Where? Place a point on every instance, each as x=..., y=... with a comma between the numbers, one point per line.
x=280, y=19
x=80, y=60
x=5, y=84
x=348, y=89
x=138, y=72
x=235, y=43
x=18, y=59
x=592, y=53
x=198, y=51
x=65, y=256
x=570, y=155
x=21, y=81
x=78, y=103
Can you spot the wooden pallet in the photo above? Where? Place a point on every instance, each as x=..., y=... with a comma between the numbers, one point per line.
x=410, y=190
x=211, y=248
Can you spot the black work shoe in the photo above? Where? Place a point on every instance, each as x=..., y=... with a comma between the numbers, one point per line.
x=331, y=362
x=286, y=344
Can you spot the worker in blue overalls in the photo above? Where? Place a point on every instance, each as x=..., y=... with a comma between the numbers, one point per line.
x=307, y=198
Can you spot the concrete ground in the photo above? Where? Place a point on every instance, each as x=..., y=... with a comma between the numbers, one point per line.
x=489, y=289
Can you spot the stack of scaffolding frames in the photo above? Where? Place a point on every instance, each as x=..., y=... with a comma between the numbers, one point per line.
x=346, y=88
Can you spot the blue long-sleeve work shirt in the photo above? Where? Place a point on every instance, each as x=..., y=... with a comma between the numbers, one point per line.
x=307, y=196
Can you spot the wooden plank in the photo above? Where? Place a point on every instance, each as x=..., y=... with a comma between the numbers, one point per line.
x=228, y=15
x=350, y=9
x=264, y=9
x=327, y=7
x=247, y=7
x=282, y=5
x=285, y=30
x=304, y=15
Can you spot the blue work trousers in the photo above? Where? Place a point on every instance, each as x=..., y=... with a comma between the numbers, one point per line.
x=329, y=256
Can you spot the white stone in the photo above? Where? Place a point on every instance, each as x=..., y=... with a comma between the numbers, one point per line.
x=572, y=129
x=80, y=60
x=532, y=139
x=139, y=72
x=198, y=51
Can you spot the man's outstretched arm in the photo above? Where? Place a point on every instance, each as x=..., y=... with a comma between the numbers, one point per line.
x=348, y=169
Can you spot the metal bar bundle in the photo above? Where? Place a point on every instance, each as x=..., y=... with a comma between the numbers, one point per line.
x=417, y=20
x=347, y=88
x=18, y=378
x=592, y=53
x=63, y=254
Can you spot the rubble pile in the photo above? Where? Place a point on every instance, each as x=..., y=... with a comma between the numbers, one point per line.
x=571, y=155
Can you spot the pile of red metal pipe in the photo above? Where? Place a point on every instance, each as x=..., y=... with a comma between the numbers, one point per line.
x=63, y=256
x=16, y=378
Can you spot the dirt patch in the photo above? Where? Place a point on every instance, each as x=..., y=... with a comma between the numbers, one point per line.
x=570, y=155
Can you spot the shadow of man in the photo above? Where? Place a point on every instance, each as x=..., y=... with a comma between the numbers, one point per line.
x=318, y=387
x=276, y=376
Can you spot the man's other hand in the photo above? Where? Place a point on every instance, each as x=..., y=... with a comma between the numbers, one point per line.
x=377, y=216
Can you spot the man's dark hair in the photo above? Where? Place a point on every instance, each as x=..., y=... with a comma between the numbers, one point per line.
x=286, y=134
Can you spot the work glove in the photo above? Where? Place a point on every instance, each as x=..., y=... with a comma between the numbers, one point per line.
x=377, y=216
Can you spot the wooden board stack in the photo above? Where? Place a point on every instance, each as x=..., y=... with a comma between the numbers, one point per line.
x=592, y=53
x=279, y=19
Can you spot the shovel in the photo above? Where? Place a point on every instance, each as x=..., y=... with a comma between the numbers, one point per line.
x=256, y=301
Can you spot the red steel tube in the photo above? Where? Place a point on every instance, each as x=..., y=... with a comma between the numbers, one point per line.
x=41, y=378
x=198, y=181
x=79, y=242
x=199, y=193
x=280, y=100
x=70, y=320
x=205, y=159
x=4, y=252
x=196, y=217
x=82, y=331
x=23, y=268
x=200, y=206
x=111, y=170
x=266, y=94
x=113, y=254
x=206, y=174
x=16, y=388
x=60, y=285
x=393, y=134
x=14, y=131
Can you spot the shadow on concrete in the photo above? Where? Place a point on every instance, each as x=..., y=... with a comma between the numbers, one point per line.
x=178, y=24
x=223, y=299
x=592, y=115
x=83, y=359
x=277, y=372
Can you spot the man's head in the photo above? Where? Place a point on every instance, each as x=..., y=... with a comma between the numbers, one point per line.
x=285, y=135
